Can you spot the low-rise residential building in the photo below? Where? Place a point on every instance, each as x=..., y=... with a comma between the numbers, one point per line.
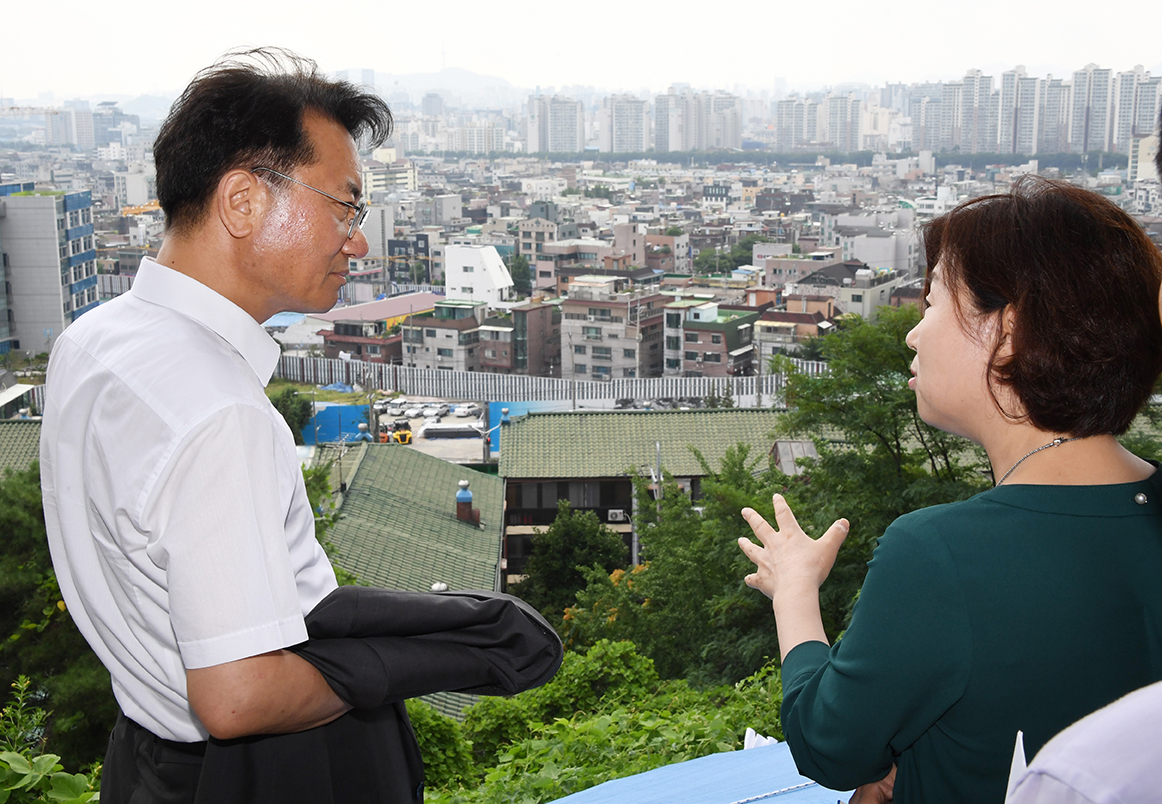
x=708, y=339
x=537, y=338
x=855, y=287
x=362, y=340
x=546, y=457
x=446, y=339
x=669, y=254
x=476, y=273
x=534, y=234
x=610, y=331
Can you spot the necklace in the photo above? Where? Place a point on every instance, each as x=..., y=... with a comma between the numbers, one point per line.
x=1057, y=442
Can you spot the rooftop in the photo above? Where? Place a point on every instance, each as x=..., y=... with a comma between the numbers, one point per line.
x=399, y=528
x=570, y=444
x=19, y=443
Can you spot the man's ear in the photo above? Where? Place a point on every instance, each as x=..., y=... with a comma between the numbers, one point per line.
x=241, y=201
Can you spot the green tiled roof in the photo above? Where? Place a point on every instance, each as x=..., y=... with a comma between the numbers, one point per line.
x=399, y=530
x=616, y=443
x=19, y=443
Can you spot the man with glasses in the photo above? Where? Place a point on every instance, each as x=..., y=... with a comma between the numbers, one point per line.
x=177, y=518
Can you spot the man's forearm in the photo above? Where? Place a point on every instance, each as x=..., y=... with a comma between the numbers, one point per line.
x=272, y=693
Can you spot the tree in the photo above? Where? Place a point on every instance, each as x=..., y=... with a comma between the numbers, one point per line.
x=522, y=277
x=295, y=408
x=605, y=715
x=686, y=606
x=39, y=637
x=674, y=231
x=716, y=261
x=418, y=273
x=555, y=571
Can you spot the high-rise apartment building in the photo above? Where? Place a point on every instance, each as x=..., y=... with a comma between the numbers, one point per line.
x=1055, y=107
x=1091, y=108
x=796, y=123
x=978, y=125
x=625, y=125
x=843, y=122
x=432, y=105
x=555, y=125
x=50, y=262
x=1135, y=107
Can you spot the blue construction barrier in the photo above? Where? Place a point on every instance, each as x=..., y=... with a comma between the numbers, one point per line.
x=335, y=423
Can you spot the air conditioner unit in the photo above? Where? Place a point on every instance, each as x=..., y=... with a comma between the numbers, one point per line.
x=590, y=318
x=618, y=515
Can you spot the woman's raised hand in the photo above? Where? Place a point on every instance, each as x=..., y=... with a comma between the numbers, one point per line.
x=788, y=560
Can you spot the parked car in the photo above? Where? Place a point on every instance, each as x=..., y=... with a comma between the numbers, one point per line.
x=435, y=410
x=466, y=411
x=414, y=411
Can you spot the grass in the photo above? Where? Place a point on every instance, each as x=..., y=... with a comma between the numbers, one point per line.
x=277, y=386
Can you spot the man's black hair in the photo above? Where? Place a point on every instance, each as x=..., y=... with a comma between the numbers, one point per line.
x=247, y=110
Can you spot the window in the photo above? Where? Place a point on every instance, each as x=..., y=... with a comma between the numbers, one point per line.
x=629, y=372
x=591, y=333
x=580, y=368
x=546, y=274
x=600, y=312
x=691, y=355
x=490, y=353
x=691, y=337
x=64, y=277
x=86, y=215
x=444, y=352
x=430, y=333
x=88, y=243
x=578, y=350
x=372, y=350
x=540, y=238
x=602, y=353
x=630, y=353
x=673, y=320
x=712, y=357
x=467, y=290
x=673, y=342
x=602, y=371
x=468, y=269
x=857, y=297
x=673, y=363
x=716, y=338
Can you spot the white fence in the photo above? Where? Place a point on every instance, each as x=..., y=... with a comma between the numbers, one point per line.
x=479, y=386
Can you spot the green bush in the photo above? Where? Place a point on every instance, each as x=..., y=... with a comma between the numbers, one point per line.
x=605, y=716
x=27, y=774
x=447, y=753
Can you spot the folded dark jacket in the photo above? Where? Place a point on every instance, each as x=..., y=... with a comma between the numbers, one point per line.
x=376, y=648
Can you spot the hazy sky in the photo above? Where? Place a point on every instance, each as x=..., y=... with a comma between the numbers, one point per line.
x=81, y=48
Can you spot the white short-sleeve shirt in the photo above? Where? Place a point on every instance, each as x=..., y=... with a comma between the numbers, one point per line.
x=177, y=518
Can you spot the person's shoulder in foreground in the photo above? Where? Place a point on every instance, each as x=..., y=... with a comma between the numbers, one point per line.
x=1108, y=757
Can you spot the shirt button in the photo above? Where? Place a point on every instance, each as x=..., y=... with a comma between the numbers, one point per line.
x=1140, y=498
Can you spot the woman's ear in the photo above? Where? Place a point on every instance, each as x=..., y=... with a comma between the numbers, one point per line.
x=1008, y=327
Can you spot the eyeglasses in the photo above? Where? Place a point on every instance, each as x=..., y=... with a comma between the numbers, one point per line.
x=360, y=210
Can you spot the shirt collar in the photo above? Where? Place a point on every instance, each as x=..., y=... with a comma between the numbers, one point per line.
x=164, y=286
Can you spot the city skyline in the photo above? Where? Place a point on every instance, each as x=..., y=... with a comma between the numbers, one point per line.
x=610, y=47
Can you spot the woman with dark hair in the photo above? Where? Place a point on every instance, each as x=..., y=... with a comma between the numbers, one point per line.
x=1029, y=605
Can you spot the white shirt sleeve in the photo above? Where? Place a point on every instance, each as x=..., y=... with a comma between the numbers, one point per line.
x=217, y=518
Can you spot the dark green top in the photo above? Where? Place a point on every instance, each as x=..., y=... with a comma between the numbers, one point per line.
x=1025, y=607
